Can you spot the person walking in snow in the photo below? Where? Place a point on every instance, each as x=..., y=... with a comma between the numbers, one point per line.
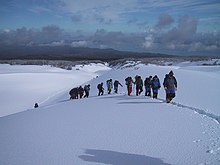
x=164, y=80
x=74, y=93
x=81, y=91
x=86, y=89
x=36, y=105
x=109, y=85
x=139, y=85
x=116, y=83
x=100, y=88
x=129, y=81
x=148, y=86
x=155, y=86
x=170, y=86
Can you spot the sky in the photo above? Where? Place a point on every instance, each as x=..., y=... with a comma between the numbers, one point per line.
x=184, y=27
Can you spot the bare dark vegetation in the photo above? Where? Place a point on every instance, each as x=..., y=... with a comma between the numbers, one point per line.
x=66, y=57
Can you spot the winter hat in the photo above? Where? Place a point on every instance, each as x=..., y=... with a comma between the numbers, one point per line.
x=171, y=73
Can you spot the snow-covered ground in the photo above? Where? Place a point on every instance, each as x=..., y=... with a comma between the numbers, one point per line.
x=21, y=86
x=112, y=129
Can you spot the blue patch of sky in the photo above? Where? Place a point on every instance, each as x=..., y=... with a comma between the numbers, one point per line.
x=38, y=13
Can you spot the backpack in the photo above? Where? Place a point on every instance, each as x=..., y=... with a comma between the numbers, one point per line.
x=116, y=83
x=71, y=92
x=99, y=86
x=86, y=88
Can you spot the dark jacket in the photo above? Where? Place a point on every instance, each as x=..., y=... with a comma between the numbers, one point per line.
x=87, y=88
x=139, y=81
x=129, y=81
x=170, y=82
x=148, y=82
x=116, y=83
x=100, y=87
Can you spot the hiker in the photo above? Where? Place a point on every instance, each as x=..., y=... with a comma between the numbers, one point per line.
x=164, y=80
x=86, y=89
x=100, y=88
x=116, y=83
x=128, y=82
x=155, y=86
x=74, y=93
x=148, y=86
x=109, y=85
x=36, y=105
x=139, y=85
x=170, y=86
x=81, y=91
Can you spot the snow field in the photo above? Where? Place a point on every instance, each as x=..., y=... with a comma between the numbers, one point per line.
x=118, y=129
x=23, y=86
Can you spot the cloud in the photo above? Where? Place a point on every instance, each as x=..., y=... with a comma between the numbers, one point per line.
x=116, y=40
x=149, y=40
x=76, y=18
x=132, y=21
x=52, y=32
x=102, y=37
x=182, y=38
x=24, y=36
x=184, y=32
x=79, y=44
x=188, y=24
x=164, y=20
x=39, y=9
x=58, y=43
x=98, y=11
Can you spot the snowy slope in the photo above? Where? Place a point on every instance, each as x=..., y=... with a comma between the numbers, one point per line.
x=118, y=129
x=23, y=85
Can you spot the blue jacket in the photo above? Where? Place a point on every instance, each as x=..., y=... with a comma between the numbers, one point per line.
x=156, y=83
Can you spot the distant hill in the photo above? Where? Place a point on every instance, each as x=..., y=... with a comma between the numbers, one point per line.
x=69, y=53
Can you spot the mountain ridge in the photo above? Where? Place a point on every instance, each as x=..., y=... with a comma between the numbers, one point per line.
x=70, y=53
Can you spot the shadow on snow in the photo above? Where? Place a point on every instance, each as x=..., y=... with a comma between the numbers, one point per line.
x=125, y=99
x=140, y=102
x=119, y=158
x=158, y=101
